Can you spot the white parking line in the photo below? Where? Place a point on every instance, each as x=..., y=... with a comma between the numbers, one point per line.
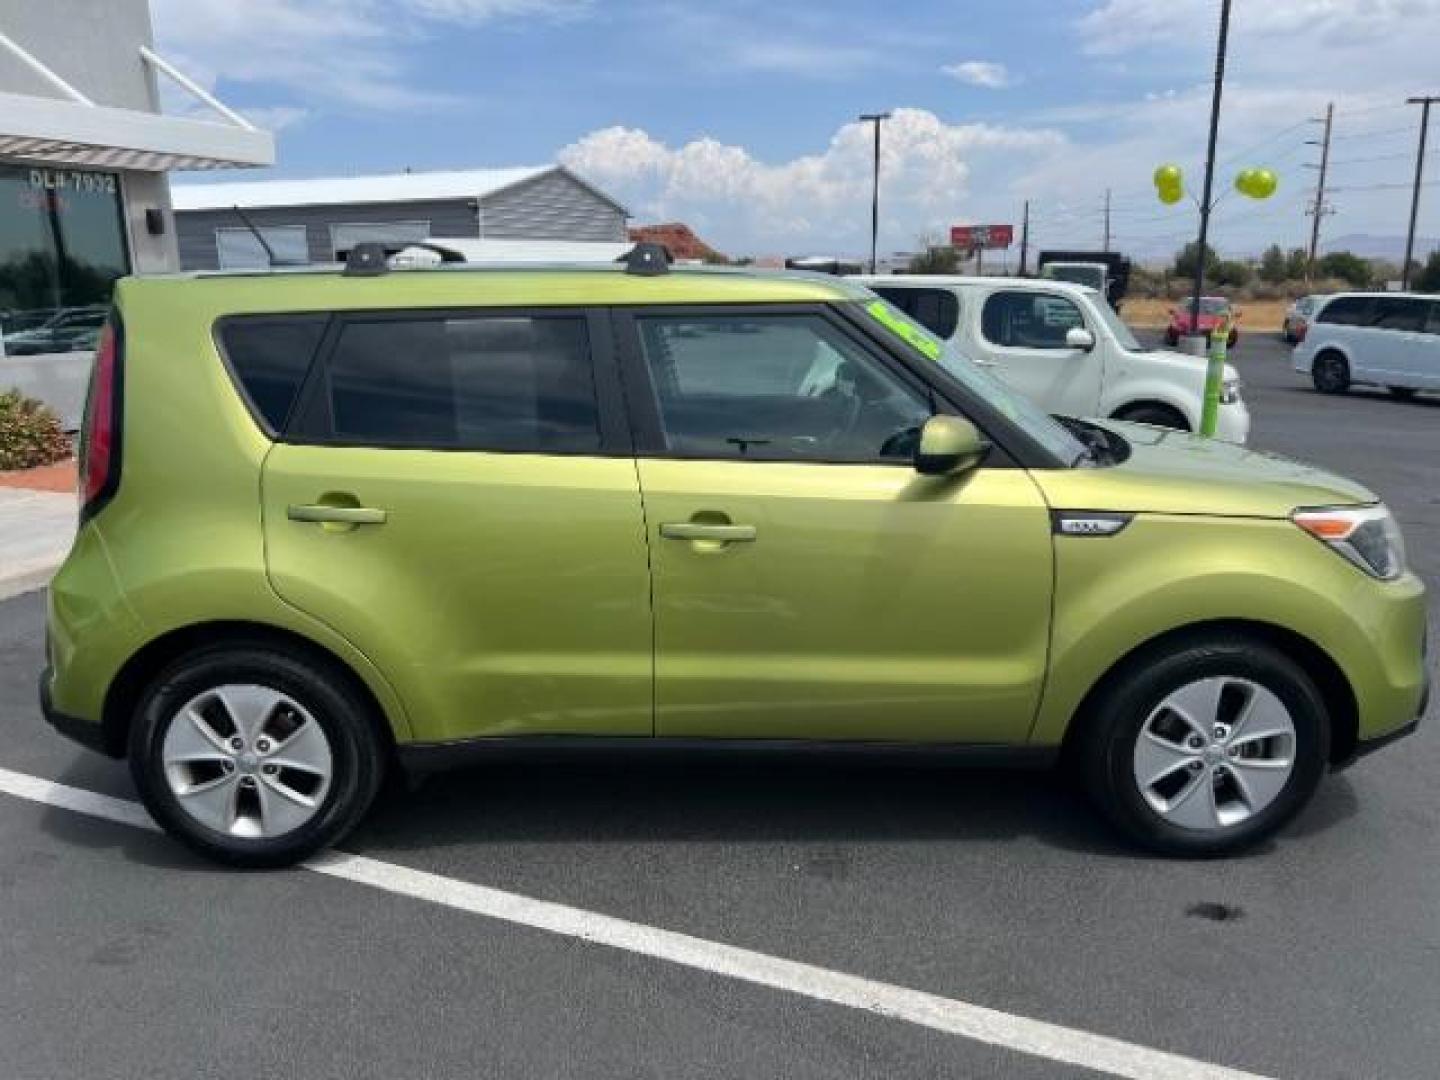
x=1019, y=1033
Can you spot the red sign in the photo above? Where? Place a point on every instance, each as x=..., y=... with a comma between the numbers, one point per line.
x=973, y=237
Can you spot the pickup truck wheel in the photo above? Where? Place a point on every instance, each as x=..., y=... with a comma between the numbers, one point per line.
x=252, y=757
x=1154, y=413
x=1207, y=746
x=1330, y=373
x=1403, y=393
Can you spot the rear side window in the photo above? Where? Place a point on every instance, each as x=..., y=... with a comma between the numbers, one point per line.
x=270, y=355
x=483, y=382
x=1347, y=311
x=1029, y=320
x=935, y=309
x=1399, y=313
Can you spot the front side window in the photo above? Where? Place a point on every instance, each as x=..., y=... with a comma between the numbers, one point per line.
x=776, y=388
x=483, y=382
x=1029, y=320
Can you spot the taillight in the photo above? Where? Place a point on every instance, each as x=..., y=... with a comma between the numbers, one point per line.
x=100, y=431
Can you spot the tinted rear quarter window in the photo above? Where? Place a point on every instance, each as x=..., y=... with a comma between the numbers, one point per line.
x=1398, y=313
x=270, y=355
x=484, y=382
x=937, y=310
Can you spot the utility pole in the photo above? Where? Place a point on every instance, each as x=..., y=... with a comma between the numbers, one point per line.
x=875, y=119
x=1025, y=239
x=1210, y=159
x=1107, y=220
x=1424, y=103
x=1319, y=208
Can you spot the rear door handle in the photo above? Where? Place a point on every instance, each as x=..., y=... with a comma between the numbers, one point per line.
x=690, y=530
x=340, y=515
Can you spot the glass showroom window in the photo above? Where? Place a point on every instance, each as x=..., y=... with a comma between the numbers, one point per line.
x=62, y=245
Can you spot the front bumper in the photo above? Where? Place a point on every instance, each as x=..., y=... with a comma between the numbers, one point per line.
x=1365, y=747
x=89, y=735
x=1232, y=422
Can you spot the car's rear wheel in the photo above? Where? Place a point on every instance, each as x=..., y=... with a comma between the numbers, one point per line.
x=1155, y=413
x=1206, y=748
x=1330, y=373
x=253, y=757
x=1403, y=393
x=1172, y=338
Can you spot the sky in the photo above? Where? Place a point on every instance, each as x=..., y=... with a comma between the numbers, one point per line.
x=739, y=116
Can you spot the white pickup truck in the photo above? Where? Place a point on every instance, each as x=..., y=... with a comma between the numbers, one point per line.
x=1064, y=347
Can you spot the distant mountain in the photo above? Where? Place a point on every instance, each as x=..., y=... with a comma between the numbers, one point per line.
x=1368, y=246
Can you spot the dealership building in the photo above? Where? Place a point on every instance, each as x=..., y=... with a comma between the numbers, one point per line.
x=84, y=156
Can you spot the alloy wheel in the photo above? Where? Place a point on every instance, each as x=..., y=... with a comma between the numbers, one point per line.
x=247, y=761
x=1214, y=753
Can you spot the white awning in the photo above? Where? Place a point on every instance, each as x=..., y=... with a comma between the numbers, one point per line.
x=71, y=133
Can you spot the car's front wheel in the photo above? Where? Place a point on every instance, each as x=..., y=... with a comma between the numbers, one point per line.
x=1207, y=747
x=253, y=757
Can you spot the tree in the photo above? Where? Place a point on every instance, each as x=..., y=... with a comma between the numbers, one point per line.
x=1273, y=268
x=1231, y=272
x=936, y=260
x=1185, y=261
x=1297, y=264
x=1347, y=266
x=1428, y=280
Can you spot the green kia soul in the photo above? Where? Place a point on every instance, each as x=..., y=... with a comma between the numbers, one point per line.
x=340, y=522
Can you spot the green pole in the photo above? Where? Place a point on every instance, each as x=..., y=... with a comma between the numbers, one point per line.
x=1214, y=374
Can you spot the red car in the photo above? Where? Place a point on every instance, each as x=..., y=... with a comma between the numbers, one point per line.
x=1212, y=310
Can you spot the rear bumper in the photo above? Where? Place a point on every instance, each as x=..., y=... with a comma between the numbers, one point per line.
x=88, y=734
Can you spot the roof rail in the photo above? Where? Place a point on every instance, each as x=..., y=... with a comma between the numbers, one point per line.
x=647, y=259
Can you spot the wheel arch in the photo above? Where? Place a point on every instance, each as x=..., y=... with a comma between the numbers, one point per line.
x=141, y=669
x=1329, y=679
x=1153, y=401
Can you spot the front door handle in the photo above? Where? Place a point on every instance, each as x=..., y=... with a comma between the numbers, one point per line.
x=692, y=530
x=336, y=515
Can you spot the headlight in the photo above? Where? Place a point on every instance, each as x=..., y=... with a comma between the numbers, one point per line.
x=1365, y=535
x=1230, y=392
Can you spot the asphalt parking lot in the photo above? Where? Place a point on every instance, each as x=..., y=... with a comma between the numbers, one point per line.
x=1316, y=956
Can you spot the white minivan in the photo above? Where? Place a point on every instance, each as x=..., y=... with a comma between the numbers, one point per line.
x=1064, y=347
x=1386, y=339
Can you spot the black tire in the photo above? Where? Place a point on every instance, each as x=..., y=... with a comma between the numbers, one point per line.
x=1115, y=719
x=1401, y=393
x=1153, y=412
x=1231, y=341
x=356, y=751
x=1172, y=339
x=1330, y=373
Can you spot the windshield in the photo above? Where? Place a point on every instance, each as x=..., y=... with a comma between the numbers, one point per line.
x=1021, y=411
x=1119, y=328
x=1210, y=305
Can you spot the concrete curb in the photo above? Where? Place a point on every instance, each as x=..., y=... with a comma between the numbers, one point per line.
x=29, y=576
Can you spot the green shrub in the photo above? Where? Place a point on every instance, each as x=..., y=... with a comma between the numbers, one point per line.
x=30, y=434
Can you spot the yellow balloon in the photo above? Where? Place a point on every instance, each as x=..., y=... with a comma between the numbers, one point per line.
x=1245, y=181
x=1263, y=184
x=1170, y=194
x=1168, y=175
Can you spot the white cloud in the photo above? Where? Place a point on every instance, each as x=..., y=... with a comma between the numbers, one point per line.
x=986, y=73
x=817, y=201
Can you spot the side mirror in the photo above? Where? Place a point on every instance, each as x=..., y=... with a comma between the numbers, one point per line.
x=1077, y=337
x=949, y=445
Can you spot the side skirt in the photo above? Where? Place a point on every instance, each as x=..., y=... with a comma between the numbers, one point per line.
x=423, y=758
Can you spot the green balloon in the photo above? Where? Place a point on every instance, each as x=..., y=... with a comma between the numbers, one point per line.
x=1168, y=175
